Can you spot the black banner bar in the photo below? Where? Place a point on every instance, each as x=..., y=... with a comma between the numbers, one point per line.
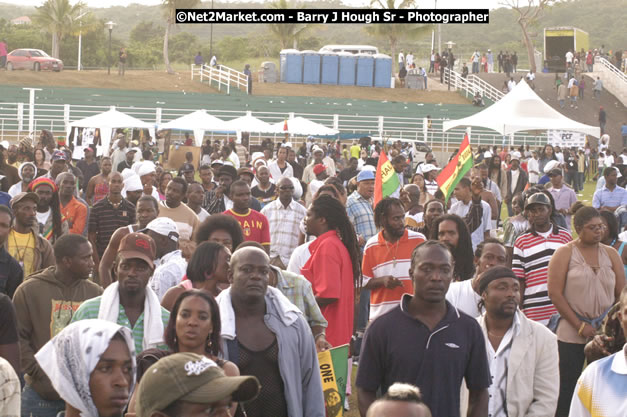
x=329, y=16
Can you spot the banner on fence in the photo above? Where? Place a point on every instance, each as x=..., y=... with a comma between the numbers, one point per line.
x=566, y=139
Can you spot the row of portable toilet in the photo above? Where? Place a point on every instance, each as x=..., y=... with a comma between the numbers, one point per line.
x=341, y=68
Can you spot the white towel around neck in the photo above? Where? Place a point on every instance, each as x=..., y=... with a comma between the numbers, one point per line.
x=153, y=325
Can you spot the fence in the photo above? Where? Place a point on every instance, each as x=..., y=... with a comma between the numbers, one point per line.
x=614, y=80
x=472, y=85
x=14, y=119
x=221, y=75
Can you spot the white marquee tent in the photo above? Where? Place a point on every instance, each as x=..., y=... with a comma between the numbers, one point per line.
x=522, y=110
x=199, y=122
x=304, y=127
x=110, y=120
x=249, y=124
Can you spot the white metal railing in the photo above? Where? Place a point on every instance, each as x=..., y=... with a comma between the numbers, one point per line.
x=490, y=92
x=611, y=67
x=222, y=75
x=14, y=119
x=472, y=85
x=614, y=80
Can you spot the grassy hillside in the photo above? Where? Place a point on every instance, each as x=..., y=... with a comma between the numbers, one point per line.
x=601, y=19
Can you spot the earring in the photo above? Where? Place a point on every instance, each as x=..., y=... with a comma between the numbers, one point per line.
x=175, y=340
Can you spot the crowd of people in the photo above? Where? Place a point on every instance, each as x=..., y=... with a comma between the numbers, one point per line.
x=129, y=289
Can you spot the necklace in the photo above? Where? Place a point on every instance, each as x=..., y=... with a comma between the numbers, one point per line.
x=21, y=255
x=395, y=251
x=495, y=335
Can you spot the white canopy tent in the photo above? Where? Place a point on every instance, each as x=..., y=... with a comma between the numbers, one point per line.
x=110, y=120
x=304, y=127
x=199, y=122
x=249, y=124
x=522, y=110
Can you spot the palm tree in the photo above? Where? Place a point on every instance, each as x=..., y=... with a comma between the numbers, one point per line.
x=393, y=33
x=170, y=7
x=58, y=18
x=287, y=33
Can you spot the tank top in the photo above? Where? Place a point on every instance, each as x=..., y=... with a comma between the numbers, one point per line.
x=265, y=366
x=100, y=191
x=589, y=294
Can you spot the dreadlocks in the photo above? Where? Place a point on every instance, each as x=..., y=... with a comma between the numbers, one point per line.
x=382, y=209
x=462, y=254
x=334, y=213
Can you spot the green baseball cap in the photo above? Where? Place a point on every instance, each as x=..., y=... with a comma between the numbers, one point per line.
x=192, y=378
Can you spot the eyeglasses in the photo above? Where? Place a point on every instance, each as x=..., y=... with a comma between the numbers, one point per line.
x=286, y=188
x=595, y=227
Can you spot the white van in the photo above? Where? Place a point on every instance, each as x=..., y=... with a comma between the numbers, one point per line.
x=353, y=49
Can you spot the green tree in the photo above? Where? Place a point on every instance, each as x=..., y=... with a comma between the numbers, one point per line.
x=145, y=31
x=170, y=7
x=58, y=18
x=393, y=32
x=287, y=33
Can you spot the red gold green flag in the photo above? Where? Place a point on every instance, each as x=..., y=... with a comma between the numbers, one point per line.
x=385, y=181
x=456, y=169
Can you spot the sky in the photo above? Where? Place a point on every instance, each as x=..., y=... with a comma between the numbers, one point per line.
x=450, y=4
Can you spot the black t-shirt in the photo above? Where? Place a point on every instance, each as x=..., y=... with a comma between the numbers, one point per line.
x=11, y=274
x=399, y=348
x=347, y=174
x=571, y=164
x=8, y=322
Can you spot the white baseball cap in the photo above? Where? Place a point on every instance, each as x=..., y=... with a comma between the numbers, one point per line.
x=165, y=227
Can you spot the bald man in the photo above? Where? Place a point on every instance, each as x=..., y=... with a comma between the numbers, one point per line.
x=258, y=318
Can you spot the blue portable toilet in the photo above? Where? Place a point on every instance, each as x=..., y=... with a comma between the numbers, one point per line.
x=311, y=67
x=291, y=66
x=346, y=68
x=330, y=67
x=382, y=71
x=365, y=70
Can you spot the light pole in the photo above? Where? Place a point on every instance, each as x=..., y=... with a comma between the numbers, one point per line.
x=211, y=36
x=80, y=38
x=109, y=26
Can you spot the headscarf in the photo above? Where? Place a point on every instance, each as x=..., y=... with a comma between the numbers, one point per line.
x=22, y=165
x=72, y=355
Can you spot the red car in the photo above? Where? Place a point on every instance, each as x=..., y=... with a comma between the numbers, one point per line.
x=34, y=59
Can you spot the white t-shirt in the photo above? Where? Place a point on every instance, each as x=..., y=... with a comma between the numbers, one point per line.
x=478, y=235
x=515, y=174
x=401, y=57
x=533, y=165
x=299, y=258
x=569, y=56
x=463, y=296
x=42, y=218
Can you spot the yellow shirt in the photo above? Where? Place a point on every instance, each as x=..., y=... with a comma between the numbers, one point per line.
x=22, y=248
x=355, y=151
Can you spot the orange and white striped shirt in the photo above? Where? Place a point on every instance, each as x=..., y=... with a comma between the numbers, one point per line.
x=383, y=258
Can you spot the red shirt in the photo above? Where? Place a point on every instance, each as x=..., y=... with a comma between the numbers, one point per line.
x=254, y=225
x=330, y=271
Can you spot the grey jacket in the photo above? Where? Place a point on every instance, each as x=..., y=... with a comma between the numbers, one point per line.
x=533, y=372
x=298, y=360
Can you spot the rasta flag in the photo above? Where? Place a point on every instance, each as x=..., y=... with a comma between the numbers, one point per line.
x=456, y=169
x=385, y=181
x=334, y=374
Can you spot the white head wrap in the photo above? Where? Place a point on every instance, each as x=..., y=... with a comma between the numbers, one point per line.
x=132, y=183
x=145, y=168
x=72, y=355
x=22, y=165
